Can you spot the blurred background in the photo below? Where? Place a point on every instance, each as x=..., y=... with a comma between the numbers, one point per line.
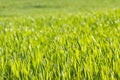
x=45, y=7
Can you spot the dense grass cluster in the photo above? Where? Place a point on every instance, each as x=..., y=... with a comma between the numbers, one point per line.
x=61, y=48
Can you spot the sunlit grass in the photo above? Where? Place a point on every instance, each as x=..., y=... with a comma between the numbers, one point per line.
x=76, y=47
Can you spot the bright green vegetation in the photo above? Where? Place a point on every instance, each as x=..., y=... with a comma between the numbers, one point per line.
x=53, y=7
x=61, y=48
x=59, y=39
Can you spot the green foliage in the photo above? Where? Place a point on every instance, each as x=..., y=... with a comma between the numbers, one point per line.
x=71, y=47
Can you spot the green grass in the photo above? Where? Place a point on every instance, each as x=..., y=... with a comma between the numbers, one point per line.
x=71, y=47
x=53, y=7
x=59, y=40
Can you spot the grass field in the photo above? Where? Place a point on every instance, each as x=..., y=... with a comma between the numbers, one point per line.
x=54, y=7
x=59, y=40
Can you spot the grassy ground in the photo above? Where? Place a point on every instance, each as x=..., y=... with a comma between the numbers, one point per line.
x=59, y=40
x=46, y=7
x=72, y=47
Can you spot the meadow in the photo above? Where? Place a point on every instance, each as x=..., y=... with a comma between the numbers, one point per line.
x=54, y=7
x=75, y=41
